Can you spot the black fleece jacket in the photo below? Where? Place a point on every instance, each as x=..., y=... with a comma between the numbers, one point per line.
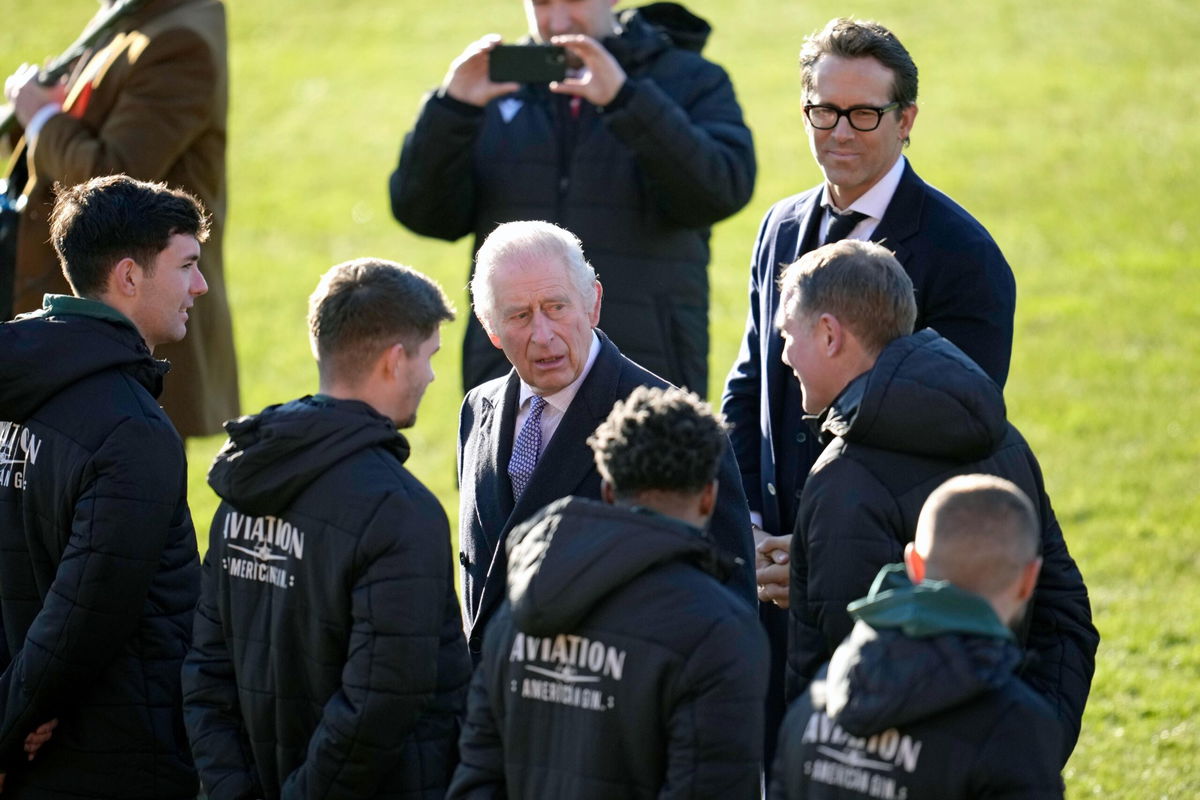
x=328, y=658
x=619, y=666
x=98, y=567
x=922, y=700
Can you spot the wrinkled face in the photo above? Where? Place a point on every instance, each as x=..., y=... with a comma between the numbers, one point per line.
x=804, y=351
x=542, y=322
x=165, y=293
x=549, y=18
x=853, y=161
x=417, y=373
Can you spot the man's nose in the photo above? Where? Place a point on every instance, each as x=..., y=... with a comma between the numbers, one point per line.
x=559, y=18
x=199, y=285
x=843, y=129
x=543, y=332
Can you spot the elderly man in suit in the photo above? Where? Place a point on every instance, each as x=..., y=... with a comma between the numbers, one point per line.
x=860, y=103
x=523, y=437
x=151, y=103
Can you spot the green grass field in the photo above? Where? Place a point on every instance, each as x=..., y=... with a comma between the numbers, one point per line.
x=1068, y=129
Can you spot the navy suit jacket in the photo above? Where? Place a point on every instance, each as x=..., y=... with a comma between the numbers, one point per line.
x=964, y=288
x=567, y=467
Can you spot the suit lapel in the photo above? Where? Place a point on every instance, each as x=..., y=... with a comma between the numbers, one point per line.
x=902, y=220
x=493, y=488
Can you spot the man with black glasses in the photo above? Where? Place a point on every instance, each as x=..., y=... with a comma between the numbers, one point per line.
x=860, y=95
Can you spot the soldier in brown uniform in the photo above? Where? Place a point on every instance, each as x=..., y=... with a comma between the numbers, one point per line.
x=151, y=103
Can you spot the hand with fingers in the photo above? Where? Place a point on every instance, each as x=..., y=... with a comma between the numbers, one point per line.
x=772, y=569
x=28, y=96
x=602, y=78
x=467, y=79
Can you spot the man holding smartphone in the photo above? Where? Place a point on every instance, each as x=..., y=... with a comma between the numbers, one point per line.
x=639, y=151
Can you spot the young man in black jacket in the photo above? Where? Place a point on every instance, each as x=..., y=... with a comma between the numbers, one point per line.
x=901, y=413
x=328, y=658
x=99, y=573
x=922, y=699
x=619, y=665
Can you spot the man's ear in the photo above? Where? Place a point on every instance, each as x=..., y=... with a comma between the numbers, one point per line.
x=595, y=314
x=708, y=498
x=125, y=278
x=913, y=563
x=833, y=334
x=606, y=492
x=1029, y=577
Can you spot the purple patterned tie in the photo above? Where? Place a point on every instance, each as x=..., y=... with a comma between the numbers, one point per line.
x=526, y=448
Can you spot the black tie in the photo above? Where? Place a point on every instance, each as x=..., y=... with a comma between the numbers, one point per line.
x=843, y=224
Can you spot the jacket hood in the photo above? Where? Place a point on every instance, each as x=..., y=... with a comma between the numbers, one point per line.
x=923, y=397
x=575, y=552
x=684, y=29
x=68, y=340
x=272, y=456
x=915, y=651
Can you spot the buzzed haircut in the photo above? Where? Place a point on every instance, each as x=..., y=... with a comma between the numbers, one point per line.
x=96, y=224
x=362, y=307
x=978, y=532
x=659, y=439
x=525, y=242
x=853, y=38
x=860, y=283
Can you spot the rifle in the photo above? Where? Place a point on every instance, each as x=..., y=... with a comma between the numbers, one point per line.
x=12, y=185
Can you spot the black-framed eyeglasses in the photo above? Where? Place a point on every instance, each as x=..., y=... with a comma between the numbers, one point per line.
x=862, y=118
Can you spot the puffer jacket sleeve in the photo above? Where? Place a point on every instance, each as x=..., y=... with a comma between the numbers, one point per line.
x=211, y=709
x=126, y=513
x=698, y=154
x=714, y=747
x=432, y=189
x=390, y=675
x=1061, y=633
x=848, y=526
x=480, y=772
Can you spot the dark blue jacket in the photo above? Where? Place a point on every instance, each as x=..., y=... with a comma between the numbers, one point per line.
x=328, y=658
x=921, y=701
x=98, y=567
x=923, y=414
x=640, y=182
x=619, y=667
x=567, y=467
x=965, y=290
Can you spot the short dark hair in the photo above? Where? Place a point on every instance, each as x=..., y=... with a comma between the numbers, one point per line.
x=659, y=439
x=97, y=223
x=981, y=530
x=854, y=38
x=860, y=283
x=363, y=306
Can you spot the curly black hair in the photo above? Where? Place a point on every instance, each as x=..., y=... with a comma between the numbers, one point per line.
x=659, y=439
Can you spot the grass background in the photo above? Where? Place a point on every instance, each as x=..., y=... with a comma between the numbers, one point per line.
x=1068, y=129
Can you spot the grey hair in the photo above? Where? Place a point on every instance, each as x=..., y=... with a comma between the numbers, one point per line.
x=525, y=242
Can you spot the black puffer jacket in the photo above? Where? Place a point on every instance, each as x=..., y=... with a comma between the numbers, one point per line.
x=328, y=658
x=924, y=413
x=640, y=183
x=920, y=701
x=98, y=566
x=619, y=666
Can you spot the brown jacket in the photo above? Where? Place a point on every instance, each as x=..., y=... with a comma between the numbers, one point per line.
x=152, y=104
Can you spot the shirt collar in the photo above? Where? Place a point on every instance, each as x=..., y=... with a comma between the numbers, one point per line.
x=874, y=201
x=561, y=399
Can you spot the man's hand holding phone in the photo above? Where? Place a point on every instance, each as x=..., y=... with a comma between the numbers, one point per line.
x=467, y=80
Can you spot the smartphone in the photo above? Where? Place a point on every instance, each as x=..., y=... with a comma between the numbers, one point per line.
x=527, y=63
